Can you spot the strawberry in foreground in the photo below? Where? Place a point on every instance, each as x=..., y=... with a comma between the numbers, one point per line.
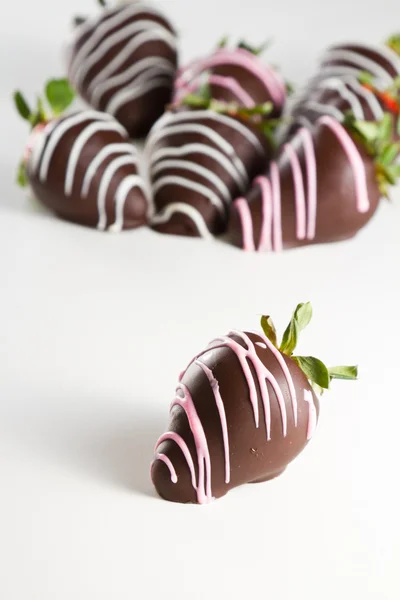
x=244, y=409
x=82, y=165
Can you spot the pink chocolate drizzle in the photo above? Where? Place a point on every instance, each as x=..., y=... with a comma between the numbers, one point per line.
x=239, y=58
x=166, y=460
x=178, y=439
x=266, y=194
x=276, y=206
x=246, y=355
x=243, y=209
x=270, y=188
x=300, y=202
x=286, y=372
x=355, y=160
x=311, y=168
x=184, y=400
x=233, y=86
x=221, y=410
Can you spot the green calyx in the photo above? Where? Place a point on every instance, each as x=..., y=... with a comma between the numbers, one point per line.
x=319, y=375
x=58, y=95
x=255, y=115
x=78, y=20
x=393, y=42
x=290, y=88
x=377, y=139
x=256, y=50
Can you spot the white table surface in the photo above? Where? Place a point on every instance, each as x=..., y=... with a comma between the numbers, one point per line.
x=95, y=329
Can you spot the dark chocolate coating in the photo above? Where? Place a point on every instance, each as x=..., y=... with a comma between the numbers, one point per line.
x=253, y=155
x=77, y=206
x=140, y=108
x=365, y=51
x=333, y=98
x=328, y=98
x=248, y=81
x=234, y=75
x=337, y=215
x=252, y=457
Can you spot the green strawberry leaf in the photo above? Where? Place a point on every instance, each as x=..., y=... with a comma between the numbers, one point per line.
x=394, y=43
x=203, y=99
x=259, y=109
x=22, y=177
x=349, y=373
x=289, y=338
x=78, y=20
x=395, y=169
x=299, y=321
x=269, y=329
x=390, y=153
x=290, y=88
x=391, y=175
x=223, y=42
x=366, y=77
x=367, y=129
x=59, y=94
x=303, y=315
x=22, y=106
x=385, y=127
x=256, y=50
x=377, y=139
x=194, y=101
x=314, y=370
x=317, y=388
x=39, y=116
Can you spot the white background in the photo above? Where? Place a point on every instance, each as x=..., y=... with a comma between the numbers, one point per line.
x=95, y=329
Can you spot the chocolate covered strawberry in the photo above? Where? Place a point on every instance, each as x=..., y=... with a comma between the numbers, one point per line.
x=123, y=62
x=324, y=187
x=202, y=154
x=82, y=165
x=244, y=408
x=357, y=77
x=235, y=75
